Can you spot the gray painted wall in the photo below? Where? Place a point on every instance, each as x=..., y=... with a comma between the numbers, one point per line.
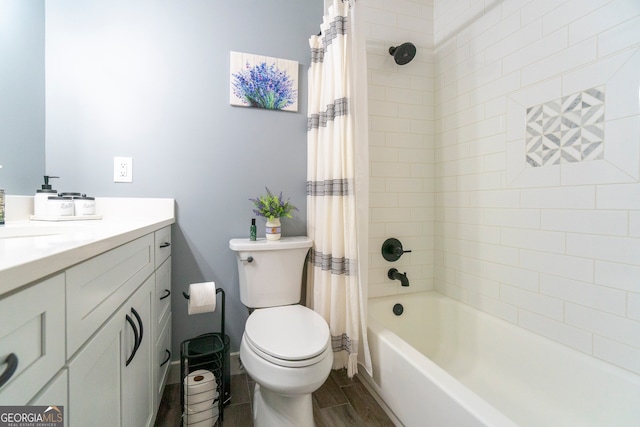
x=150, y=80
x=21, y=95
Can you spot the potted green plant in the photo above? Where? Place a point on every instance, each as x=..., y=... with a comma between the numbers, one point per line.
x=273, y=208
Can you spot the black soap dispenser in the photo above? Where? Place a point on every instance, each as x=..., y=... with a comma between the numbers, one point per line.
x=42, y=196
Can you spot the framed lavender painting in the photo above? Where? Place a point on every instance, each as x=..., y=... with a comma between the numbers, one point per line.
x=263, y=82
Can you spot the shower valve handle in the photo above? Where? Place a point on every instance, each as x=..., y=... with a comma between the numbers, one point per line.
x=400, y=251
x=392, y=249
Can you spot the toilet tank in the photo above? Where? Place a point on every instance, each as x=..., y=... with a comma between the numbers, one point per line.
x=270, y=271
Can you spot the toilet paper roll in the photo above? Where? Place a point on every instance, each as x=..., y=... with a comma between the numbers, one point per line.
x=194, y=417
x=199, y=381
x=195, y=398
x=201, y=406
x=204, y=423
x=202, y=297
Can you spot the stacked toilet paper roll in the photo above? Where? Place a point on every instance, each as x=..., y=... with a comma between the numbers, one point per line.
x=200, y=399
x=202, y=297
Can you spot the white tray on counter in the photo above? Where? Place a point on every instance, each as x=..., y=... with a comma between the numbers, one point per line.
x=64, y=218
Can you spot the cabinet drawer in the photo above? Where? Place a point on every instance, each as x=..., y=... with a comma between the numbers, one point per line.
x=162, y=307
x=32, y=331
x=162, y=361
x=97, y=287
x=162, y=244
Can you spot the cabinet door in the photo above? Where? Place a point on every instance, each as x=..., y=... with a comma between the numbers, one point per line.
x=137, y=379
x=54, y=394
x=94, y=378
x=107, y=385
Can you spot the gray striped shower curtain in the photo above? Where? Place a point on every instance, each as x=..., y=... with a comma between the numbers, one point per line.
x=337, y=185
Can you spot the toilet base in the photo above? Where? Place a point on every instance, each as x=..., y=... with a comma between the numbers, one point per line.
x=276, y=410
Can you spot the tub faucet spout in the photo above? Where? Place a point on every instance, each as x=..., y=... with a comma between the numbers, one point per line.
x=394, y=274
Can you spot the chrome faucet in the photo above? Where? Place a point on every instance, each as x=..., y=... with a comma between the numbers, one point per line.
x=394, y=274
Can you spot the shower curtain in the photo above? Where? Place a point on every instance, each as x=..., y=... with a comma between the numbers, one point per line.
x=337, y=185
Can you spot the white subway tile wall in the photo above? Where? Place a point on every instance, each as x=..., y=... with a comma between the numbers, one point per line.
x=554, y=249
x=401, y=142
x=559, y=237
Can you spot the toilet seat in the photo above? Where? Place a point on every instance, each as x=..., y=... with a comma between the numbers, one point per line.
x=290, y=336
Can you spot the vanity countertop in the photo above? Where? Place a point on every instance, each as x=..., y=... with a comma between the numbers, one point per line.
x=32, y=250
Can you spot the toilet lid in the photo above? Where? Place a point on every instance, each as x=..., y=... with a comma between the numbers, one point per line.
x=291, y=332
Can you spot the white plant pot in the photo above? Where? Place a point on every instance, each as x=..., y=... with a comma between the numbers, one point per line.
x=273, y=229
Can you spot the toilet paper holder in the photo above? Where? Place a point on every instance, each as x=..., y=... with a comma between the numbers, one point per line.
x=218, y=291
x=209, y=351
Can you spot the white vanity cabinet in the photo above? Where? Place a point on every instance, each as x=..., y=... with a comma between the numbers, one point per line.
x=95, y=337
x=121, y=365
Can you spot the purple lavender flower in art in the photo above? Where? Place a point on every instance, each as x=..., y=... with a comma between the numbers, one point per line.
x=264, y=86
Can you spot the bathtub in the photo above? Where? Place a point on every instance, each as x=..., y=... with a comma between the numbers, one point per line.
x=443, y=363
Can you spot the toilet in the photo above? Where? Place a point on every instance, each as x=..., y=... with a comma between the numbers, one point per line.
x=286, y=347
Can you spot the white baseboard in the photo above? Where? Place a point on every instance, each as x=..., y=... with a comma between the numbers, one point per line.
x=235, y=368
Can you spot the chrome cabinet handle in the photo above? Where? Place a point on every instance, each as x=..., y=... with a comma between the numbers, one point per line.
x=12, y=366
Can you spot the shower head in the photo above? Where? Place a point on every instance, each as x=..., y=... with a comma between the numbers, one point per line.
x=404, y=53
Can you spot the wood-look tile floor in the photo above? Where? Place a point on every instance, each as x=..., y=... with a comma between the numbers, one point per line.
x=340, y=402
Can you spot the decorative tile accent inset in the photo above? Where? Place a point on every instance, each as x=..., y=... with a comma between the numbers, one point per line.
x=566, y=130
